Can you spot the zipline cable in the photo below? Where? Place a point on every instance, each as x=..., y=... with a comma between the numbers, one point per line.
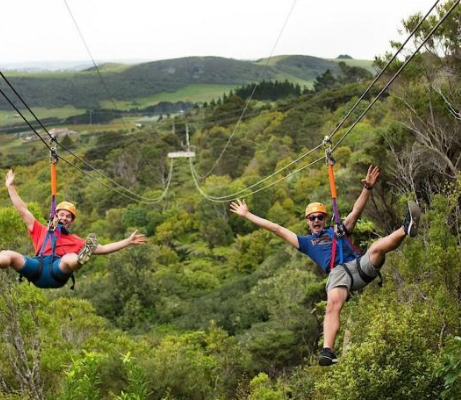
x=381, y=73
x=22, y=116
x=252, y=93
x=100, y=77
x=402, y=67
x=233, y=195
x=350, y=111
x=230, y=196
x=340, y=124
x=132, y=196
x=94, y=62
x=151, y=202
x=217, y=199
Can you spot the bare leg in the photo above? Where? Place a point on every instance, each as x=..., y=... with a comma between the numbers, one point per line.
x=69, y=264
x=8, y=258
x=72, y=262
x=11, y=259
x=335, y=301
x=380, y=248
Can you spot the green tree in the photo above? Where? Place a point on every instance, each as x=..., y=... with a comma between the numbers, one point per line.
x=325, y=81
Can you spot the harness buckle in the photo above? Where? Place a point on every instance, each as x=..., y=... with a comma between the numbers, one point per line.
x=53, y=224
x=339, y=231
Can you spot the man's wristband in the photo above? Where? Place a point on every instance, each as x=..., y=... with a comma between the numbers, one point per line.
x=368, y=187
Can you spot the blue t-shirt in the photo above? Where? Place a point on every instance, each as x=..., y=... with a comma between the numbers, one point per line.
x=318, y=247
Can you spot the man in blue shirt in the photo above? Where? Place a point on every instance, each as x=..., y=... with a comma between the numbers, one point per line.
x=352, y=272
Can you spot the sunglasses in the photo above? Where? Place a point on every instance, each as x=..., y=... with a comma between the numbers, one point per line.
x=312, y=218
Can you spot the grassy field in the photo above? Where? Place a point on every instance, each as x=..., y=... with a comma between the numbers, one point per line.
x=11, y=118
x=272, y=62
x=35, y=150
x=281, y=76
x=191, y=93
x=366, y=64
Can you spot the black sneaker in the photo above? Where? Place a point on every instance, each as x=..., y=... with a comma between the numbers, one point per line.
x=411, y=221
x=91, y=243
x=327, y=357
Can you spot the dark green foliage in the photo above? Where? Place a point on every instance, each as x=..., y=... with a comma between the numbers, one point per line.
x=269, y=90
x=325, y=81
x=127, y=295
x=353, y=74
x=213, y=143
x=85, y=89
x=390, y=335
x=215, y=308
x=306, y=67
x=229, y=112
x=450, y=369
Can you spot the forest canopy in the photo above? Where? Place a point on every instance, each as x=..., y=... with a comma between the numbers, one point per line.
x=214, y=308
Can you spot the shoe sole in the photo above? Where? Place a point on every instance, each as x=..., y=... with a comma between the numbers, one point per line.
x=327, y=361
x=415, y=214
x=91, y=243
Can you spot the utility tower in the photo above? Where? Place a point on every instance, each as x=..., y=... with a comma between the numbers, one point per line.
x=183, y=154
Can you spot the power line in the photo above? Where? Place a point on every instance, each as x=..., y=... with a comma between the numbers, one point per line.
x=221, y=200
x=252, y=93
x=150, y=202
x=340, y=124
x=99, y=73
x=382, y=71
x=93, y=61
x=228, y=197
x=234, y=195
x=132, y=196
x=402, y=67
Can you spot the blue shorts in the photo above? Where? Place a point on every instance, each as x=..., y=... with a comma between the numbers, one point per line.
x=51, y=276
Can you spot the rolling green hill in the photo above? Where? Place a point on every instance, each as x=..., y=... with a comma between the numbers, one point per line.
x=306, y=68
x=152, y=81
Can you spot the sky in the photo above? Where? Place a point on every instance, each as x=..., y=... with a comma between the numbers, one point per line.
x=148, y=30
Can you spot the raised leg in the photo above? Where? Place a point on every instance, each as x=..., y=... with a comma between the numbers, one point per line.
x=11, y=259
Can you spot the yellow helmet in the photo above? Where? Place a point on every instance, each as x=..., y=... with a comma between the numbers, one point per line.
x=315, y=207
x=65, y=205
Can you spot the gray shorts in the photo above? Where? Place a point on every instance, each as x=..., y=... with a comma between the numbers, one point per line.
x=339, y=277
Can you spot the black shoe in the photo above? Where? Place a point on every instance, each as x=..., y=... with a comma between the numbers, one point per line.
x=91, y=243
x=327, y=357
x=411, y=221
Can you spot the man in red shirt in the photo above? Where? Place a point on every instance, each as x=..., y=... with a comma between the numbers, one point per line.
x=52, y=269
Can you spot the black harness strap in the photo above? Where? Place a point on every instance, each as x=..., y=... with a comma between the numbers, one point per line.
x=366, y=278
x=38, y=273
x=62, y=280
x=348, y=271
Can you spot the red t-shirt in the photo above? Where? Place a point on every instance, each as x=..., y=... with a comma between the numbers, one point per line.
x=64, y=243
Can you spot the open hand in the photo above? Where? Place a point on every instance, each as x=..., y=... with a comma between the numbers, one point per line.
x=136, y=238
x=371, y=178
x=239, y=207
x=9, y=178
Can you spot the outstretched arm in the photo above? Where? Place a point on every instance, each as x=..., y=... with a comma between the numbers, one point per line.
x=133, y=239
x=24, y=212
x=368, y=184
x=240, y=208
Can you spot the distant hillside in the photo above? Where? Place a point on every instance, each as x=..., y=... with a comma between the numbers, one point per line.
x=303, y=67
x=352, y=62
x=110, y=66
x=129, y=83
